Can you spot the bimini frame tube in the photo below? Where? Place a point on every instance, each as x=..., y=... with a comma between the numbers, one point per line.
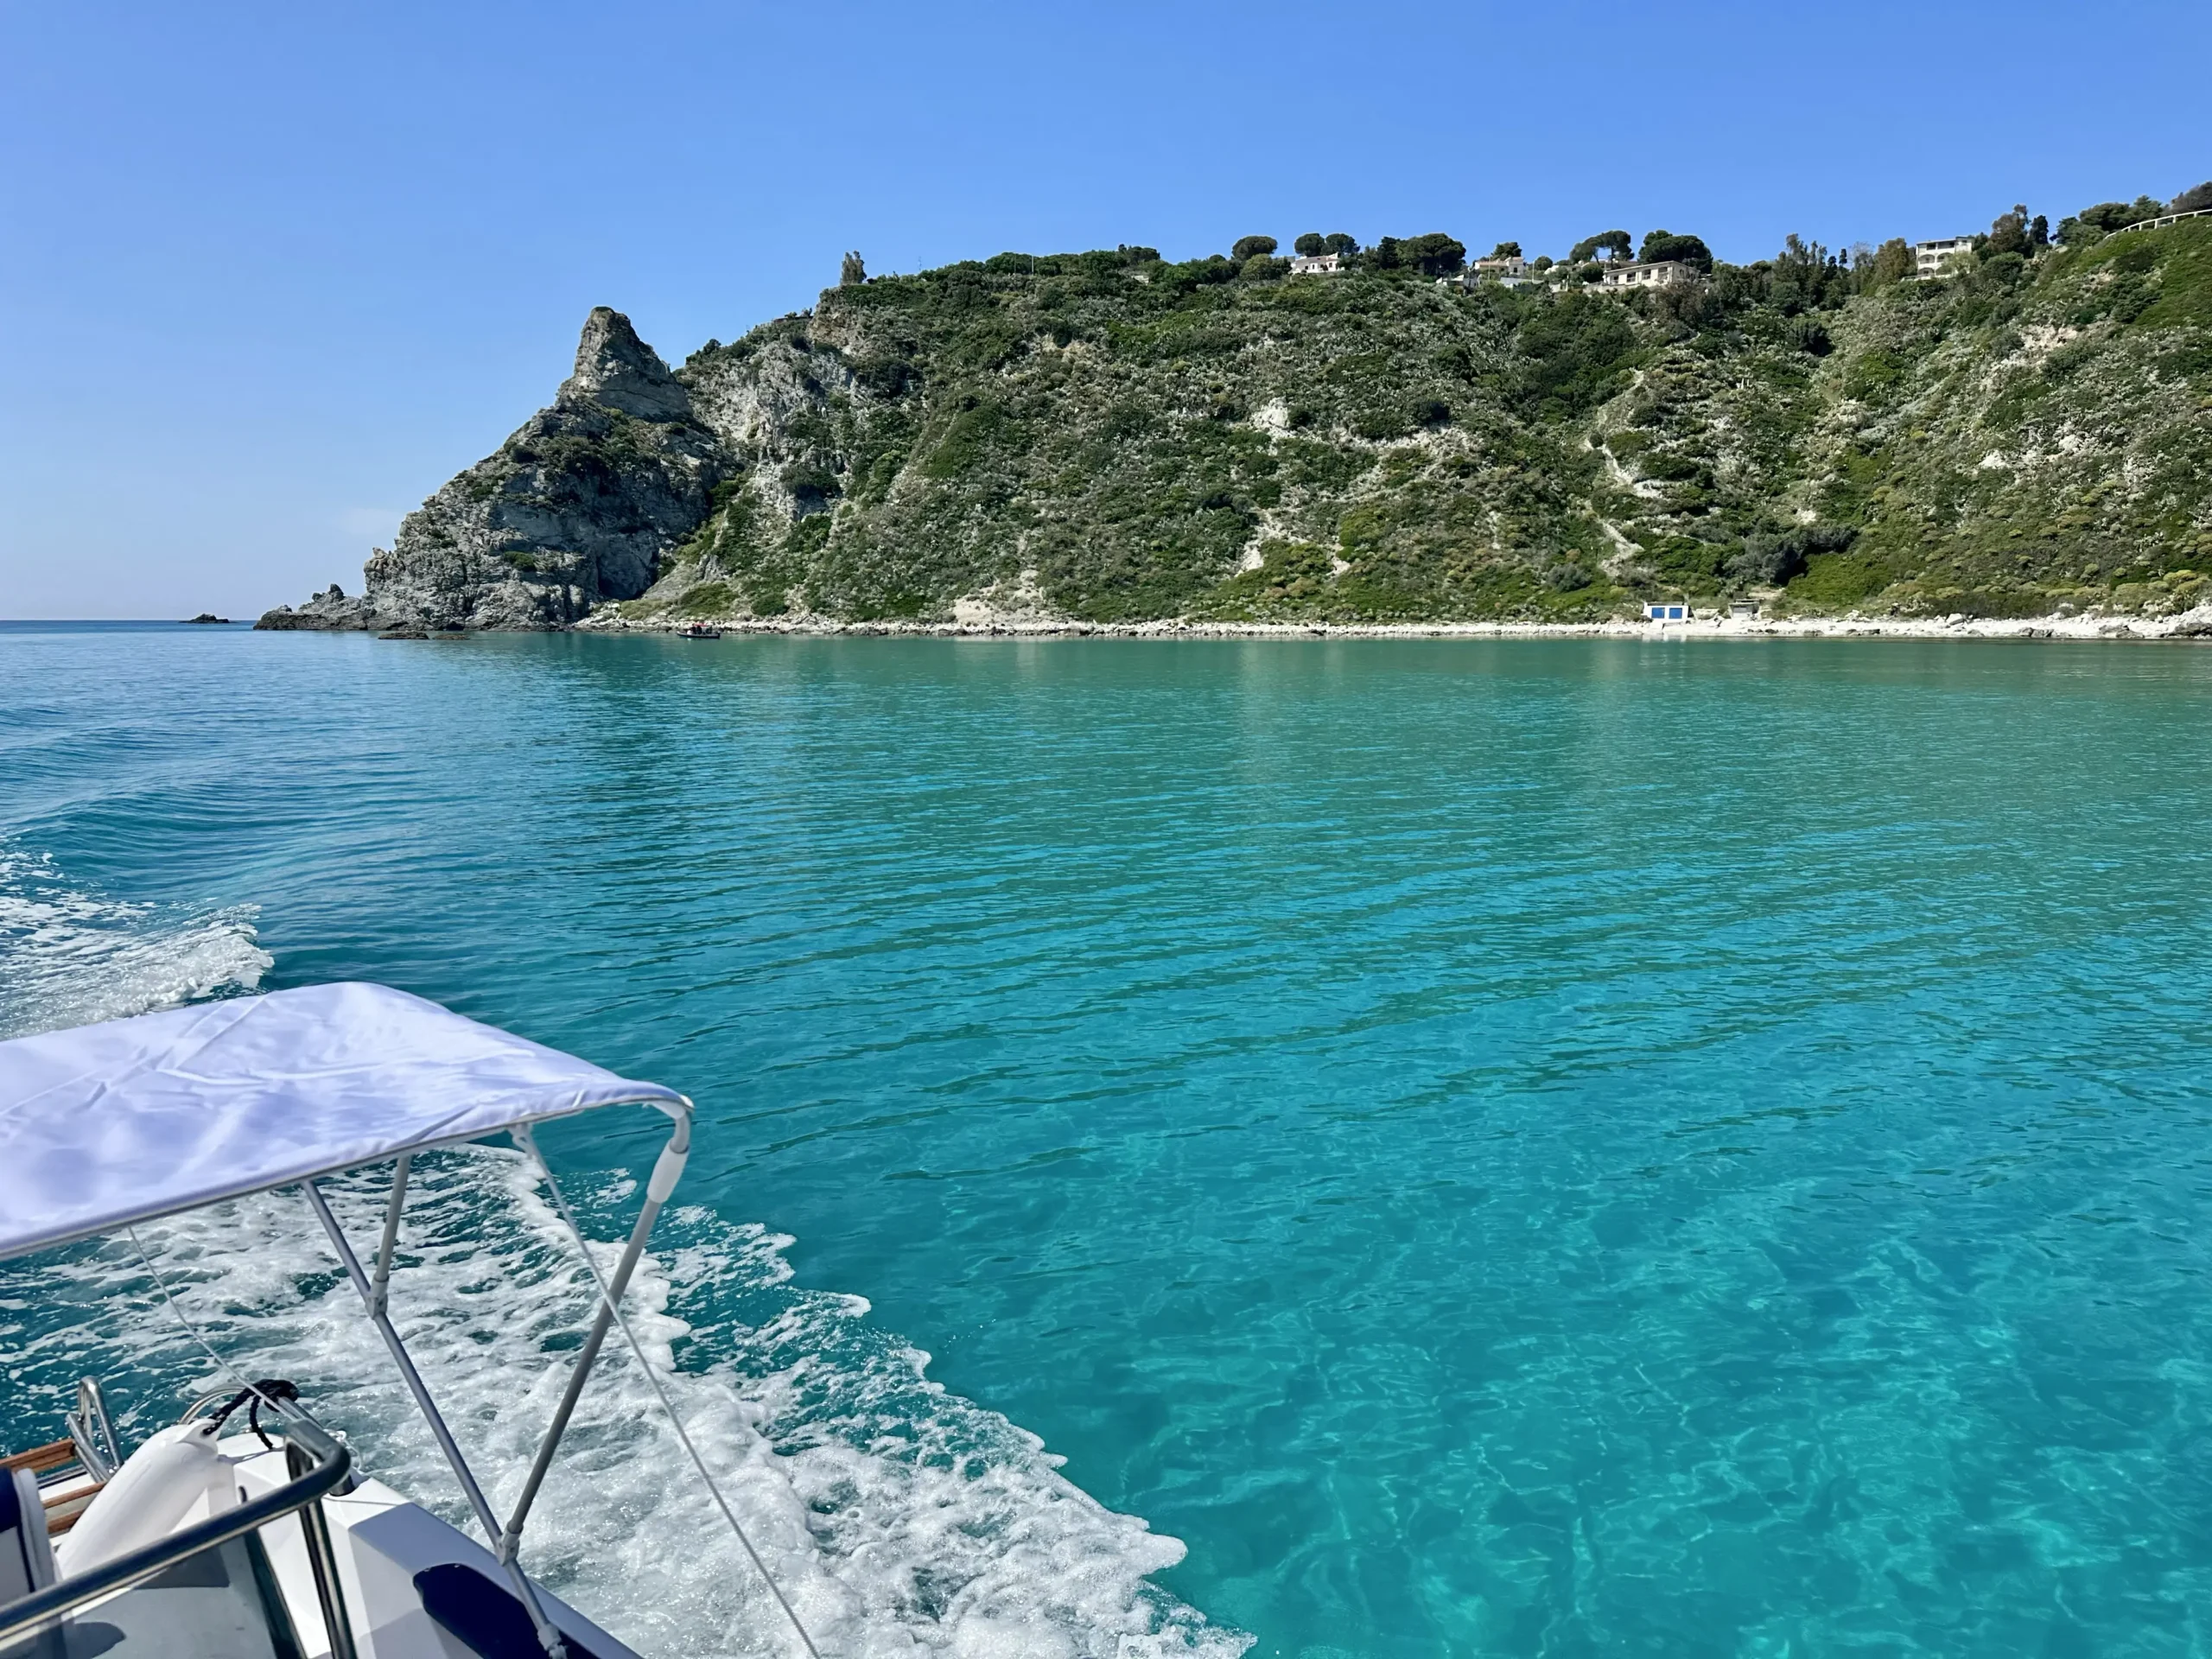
x=668, y=1169
x=548, y=1636
x=380, y=1284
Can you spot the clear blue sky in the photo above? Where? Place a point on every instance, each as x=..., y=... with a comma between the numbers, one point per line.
x=273, y=273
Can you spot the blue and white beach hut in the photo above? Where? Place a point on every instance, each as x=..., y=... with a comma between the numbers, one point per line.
x=1666, y=610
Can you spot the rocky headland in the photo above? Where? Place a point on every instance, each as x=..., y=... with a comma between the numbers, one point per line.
x=1106, y=442
x=577, y=508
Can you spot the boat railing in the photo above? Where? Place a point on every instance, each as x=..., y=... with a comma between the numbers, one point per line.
x=92, y=1433
x=318, y=1465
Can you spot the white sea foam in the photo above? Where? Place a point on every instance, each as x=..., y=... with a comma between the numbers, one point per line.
x=68, y=957
x=897, y=1517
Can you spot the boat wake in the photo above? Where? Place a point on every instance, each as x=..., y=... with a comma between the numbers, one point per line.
x=70, y=958
x=897, y=1518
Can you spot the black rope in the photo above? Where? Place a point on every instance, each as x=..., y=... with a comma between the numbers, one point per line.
x=266, y=1392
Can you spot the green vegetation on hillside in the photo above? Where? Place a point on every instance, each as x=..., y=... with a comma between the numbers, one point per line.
x=1111, y=436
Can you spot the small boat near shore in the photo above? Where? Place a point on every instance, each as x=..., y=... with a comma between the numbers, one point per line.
x=245, y=1530
x=699, y=631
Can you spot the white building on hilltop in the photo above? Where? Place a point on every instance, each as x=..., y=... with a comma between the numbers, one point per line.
x=1661, y=273
x=1504, y=273
x=1929, y=259
x=1317, y=264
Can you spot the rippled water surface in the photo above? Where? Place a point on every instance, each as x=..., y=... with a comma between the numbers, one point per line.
x=1499, y=1147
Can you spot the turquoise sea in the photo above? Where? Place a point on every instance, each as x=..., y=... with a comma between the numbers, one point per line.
x=1503, y=1147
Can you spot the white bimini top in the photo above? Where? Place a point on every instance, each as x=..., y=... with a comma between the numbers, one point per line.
x=108, y=1125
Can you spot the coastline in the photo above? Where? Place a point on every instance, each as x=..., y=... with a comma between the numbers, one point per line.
x=2190, y=625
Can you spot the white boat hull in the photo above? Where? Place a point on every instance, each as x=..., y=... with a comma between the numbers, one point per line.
x=383, y=1544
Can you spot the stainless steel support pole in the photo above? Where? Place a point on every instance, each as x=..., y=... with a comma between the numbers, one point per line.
x=380, y=1286
x=322, y=1559
x=547, y=1635
x=666, y=1171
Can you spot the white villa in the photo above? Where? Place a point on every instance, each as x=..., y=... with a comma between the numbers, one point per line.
x=1513, y=272
x=1661, y=273
x=1317, y=264
x=1928, y=258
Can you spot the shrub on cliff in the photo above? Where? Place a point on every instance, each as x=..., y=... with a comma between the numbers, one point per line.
x=1615, y=243
x=2093, y=223
x=1431, y=255
x=1665, y=245
x=1888, y=265
x=1770, y=558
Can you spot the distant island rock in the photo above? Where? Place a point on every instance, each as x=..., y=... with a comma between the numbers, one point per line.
x=209, y=617
x=1107, y=437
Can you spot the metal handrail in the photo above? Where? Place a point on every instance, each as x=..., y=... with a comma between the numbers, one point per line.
x=94, y=1436
x=322, y=1562
x=44, y=1606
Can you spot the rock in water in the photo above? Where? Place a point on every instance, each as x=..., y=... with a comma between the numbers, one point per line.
x=579, y=506
x=207, y=617
x=328, y=610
